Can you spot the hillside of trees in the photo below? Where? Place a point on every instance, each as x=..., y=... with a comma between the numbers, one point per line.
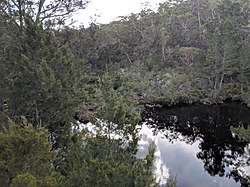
x=187, y=51
x=53, y=75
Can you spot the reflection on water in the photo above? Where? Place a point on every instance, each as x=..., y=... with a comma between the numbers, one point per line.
x=148, y=139
x=197, y=138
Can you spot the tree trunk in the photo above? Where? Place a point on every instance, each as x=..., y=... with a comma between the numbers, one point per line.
x=163, y=53
x=222, y=70
x=21, y=13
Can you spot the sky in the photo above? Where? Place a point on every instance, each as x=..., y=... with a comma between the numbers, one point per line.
x=105, y=11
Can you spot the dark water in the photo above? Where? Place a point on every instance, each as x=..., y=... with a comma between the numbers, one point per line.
x=198, y=146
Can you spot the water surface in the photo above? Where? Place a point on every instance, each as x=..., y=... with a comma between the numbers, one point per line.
x=197, y=146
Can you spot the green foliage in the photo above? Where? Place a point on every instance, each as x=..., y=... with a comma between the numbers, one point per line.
x=187, y=51
x=51, y=13
x=43, y=80
x=109, y=173
x=171, y=183
x=242, y=132
x=99, y=160
x=202, y=41
x=105, y=155
x=24, y=180
x=26, y=151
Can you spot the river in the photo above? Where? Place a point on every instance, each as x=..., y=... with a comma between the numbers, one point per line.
x=196, y=146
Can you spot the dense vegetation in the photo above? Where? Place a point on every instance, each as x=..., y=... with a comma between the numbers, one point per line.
x=53, y=75
x=187, y=51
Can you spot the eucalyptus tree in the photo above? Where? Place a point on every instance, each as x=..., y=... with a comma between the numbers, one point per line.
x=226, y=35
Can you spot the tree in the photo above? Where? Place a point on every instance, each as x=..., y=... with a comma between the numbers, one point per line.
x=42, y=79
x=24, y=180
x=104, y=154
x=244, y=69
x=26, y=156
x=224, y=43
x=45, y=12
x=97, y=160
x=164, y=40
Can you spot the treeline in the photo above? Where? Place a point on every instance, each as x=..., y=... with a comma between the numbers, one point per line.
x=187, y=51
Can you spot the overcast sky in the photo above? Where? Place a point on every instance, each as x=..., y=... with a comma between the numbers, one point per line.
x=108, y=10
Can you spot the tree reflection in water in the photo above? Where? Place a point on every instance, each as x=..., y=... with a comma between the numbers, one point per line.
x=222, y=152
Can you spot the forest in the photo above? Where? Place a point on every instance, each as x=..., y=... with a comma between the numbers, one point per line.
x=55, y=77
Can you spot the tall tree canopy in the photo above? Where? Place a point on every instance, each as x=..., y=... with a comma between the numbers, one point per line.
x=46, y=12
